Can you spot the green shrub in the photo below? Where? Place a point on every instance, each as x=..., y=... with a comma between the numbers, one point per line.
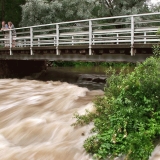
x=156, y=47
x=127, y=117
x=156, y=50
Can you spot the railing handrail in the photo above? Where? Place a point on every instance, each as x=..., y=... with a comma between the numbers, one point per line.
x=92, y=19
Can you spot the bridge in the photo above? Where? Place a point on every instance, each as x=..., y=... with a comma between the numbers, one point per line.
x=122, y=38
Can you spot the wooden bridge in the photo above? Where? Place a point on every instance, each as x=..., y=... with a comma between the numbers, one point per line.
x=122, y=38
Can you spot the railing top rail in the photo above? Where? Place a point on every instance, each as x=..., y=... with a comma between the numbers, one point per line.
x=94, y=19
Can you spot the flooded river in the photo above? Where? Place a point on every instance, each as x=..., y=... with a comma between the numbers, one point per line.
x=36, y=116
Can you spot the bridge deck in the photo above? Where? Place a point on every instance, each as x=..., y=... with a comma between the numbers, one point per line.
x=108, y=53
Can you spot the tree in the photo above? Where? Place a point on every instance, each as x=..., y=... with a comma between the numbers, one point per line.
x=36, y=12
x=2, y=10
x=11, y=11
x=155, y=7
x=124, y=7
x=51, y=11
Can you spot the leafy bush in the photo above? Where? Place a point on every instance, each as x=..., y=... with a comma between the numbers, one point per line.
x=127, y=117
x=156, y=47
x=156, y=50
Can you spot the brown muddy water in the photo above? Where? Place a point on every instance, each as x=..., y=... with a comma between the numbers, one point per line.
x=36, y=116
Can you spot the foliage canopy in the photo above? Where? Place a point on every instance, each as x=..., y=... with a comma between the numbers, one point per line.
x=51, y=11
x=11, y=10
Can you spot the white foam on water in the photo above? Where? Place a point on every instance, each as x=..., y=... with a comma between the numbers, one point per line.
x=36, y=118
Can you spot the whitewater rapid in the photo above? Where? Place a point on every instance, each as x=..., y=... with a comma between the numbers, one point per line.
x=36, y=118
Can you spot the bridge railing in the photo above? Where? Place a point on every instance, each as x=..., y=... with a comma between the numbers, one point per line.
x=129, y=29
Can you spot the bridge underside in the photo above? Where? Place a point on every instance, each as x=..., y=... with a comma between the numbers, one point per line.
x=20, y=68
x=106, y=53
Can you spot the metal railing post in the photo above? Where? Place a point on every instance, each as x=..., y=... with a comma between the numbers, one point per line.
x=72, y=40
x=117, y=38
x=90, y=37
x=31, y=40
x=132, y=35
x=24, y=42
x=145, y=34
x=93, y=39
x=57, y=39
x=54, y=41
x=10, y=42
x=38, y=42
